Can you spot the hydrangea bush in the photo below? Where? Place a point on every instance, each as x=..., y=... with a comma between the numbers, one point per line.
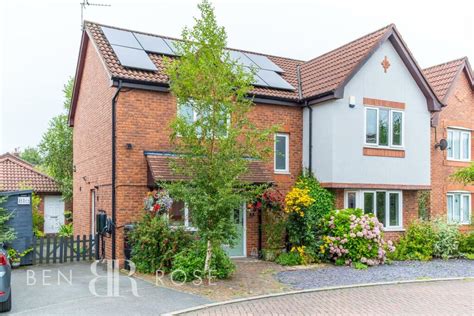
x=352, y=237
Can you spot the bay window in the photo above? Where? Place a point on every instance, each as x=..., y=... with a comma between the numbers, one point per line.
x=385, y=205
x=459, y=145
x=459, y=207
x=383, y=127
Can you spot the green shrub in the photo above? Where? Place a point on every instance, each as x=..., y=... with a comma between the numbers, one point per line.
x=466, y=243
x=65, y=230
x=360, y=266
x=446, y=244
x=38, y=218
x=188, y=264
x=470, y=256
x=352, y=237
x=154, y=243
x=417, y=243
x=291, y=258
x=306, y=204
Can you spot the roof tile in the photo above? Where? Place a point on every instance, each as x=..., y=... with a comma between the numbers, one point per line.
x=16, y=174
x=441, y=76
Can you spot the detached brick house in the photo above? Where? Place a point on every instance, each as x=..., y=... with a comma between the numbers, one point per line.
x=358, y=117
x=453, y=83
x=17, y=174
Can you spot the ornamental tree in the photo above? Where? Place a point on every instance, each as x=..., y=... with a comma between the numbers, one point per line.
x=7, y=233
x=212, y=134
x=465, y=175
x=56, y=146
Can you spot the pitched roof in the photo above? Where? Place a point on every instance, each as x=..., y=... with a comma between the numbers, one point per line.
x=441, y=77
x=327, y=72
x=160, y=169
x=15, y=174
x=117, y=71
x=315, y=80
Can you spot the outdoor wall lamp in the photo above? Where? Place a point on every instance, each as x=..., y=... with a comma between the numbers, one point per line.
x=352, y=101
x=129, y=146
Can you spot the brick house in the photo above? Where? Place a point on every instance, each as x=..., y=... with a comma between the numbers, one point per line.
x=17, y=174
x=453, y=83
x=345, y=115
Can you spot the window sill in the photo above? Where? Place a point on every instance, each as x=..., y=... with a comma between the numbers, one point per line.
x=282, y=172
x=384, y=152
x=457, y=163
x=394, y=229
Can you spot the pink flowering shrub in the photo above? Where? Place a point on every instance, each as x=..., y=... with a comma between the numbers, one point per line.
x=350, y=237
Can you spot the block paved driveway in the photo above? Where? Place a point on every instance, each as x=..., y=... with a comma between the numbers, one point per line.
x=57, y=297
x=430, y=298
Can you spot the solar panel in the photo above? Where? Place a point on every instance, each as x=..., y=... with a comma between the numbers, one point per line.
x=119, y=37
x=259, y=82
x=133, y=58
x=264, y=62
x=172, y=44
x=274, y=80
x=241, y=59
x=154, y=44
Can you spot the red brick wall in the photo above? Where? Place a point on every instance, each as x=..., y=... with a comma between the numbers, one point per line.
x=143, y=119
x=92, y=143
x=458, y=112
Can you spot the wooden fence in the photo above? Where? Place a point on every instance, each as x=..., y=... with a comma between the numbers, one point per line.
x=54, y=249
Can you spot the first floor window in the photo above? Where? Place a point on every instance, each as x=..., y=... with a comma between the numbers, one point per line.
x=459, y=145
x=281, y=163
x=385, y=205
x=459, y=207
x=383, y=127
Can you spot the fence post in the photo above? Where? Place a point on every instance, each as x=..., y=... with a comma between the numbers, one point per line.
x=90, y=247
x=71, y=251
x=60, y=249
x=78, y=248
x=41, y=245
x=48, y=247
x=84, y=246
x=96, y=243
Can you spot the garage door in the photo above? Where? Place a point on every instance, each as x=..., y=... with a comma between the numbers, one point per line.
x=53, y=213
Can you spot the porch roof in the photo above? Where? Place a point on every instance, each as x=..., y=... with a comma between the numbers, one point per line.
x=159, y=169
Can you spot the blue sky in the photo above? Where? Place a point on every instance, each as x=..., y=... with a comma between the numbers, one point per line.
x=39, y=40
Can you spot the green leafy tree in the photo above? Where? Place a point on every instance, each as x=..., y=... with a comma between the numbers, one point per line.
x=465, y=175
x=56, y=146
x=214, y=146
x=32, y=155
x=7, y=233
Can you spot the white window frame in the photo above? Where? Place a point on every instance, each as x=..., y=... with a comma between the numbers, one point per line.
x=452, y=130
x=287, y=153
x=390, y=128
x=360, y=205
x=196, y=116
x=186, y=225
x=462, y=221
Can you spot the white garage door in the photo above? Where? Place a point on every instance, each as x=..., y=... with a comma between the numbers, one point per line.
x=53, y=213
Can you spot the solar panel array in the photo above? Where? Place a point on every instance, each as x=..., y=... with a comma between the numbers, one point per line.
x=131, y=49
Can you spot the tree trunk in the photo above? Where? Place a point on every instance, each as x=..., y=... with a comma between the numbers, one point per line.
x=207, y=263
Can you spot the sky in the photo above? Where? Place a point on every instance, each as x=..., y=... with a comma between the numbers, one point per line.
x=39, y=40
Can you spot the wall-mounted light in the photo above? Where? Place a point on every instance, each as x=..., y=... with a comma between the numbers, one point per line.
x=129, y=146
x=352, y=101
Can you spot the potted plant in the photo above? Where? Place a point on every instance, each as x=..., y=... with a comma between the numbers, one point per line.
x=15, y=256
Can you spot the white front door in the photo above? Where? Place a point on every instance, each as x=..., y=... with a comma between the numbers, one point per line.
x=53, y=213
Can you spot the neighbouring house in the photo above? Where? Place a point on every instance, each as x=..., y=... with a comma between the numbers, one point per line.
x=453, y=83
x=359, y=117
x=17, y=174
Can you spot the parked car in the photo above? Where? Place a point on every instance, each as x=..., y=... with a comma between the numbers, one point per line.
x=5, y=281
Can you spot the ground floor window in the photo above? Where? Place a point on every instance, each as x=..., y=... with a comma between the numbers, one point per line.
x=180, y=215
x=385, y=205
x=459, y=207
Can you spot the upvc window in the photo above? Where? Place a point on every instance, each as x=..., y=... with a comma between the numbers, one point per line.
x=459, y=145
x=383, y=127
x=179, y=215
x=281, y=152
x=187, y=112
x=459, y=207
x=385, y=205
